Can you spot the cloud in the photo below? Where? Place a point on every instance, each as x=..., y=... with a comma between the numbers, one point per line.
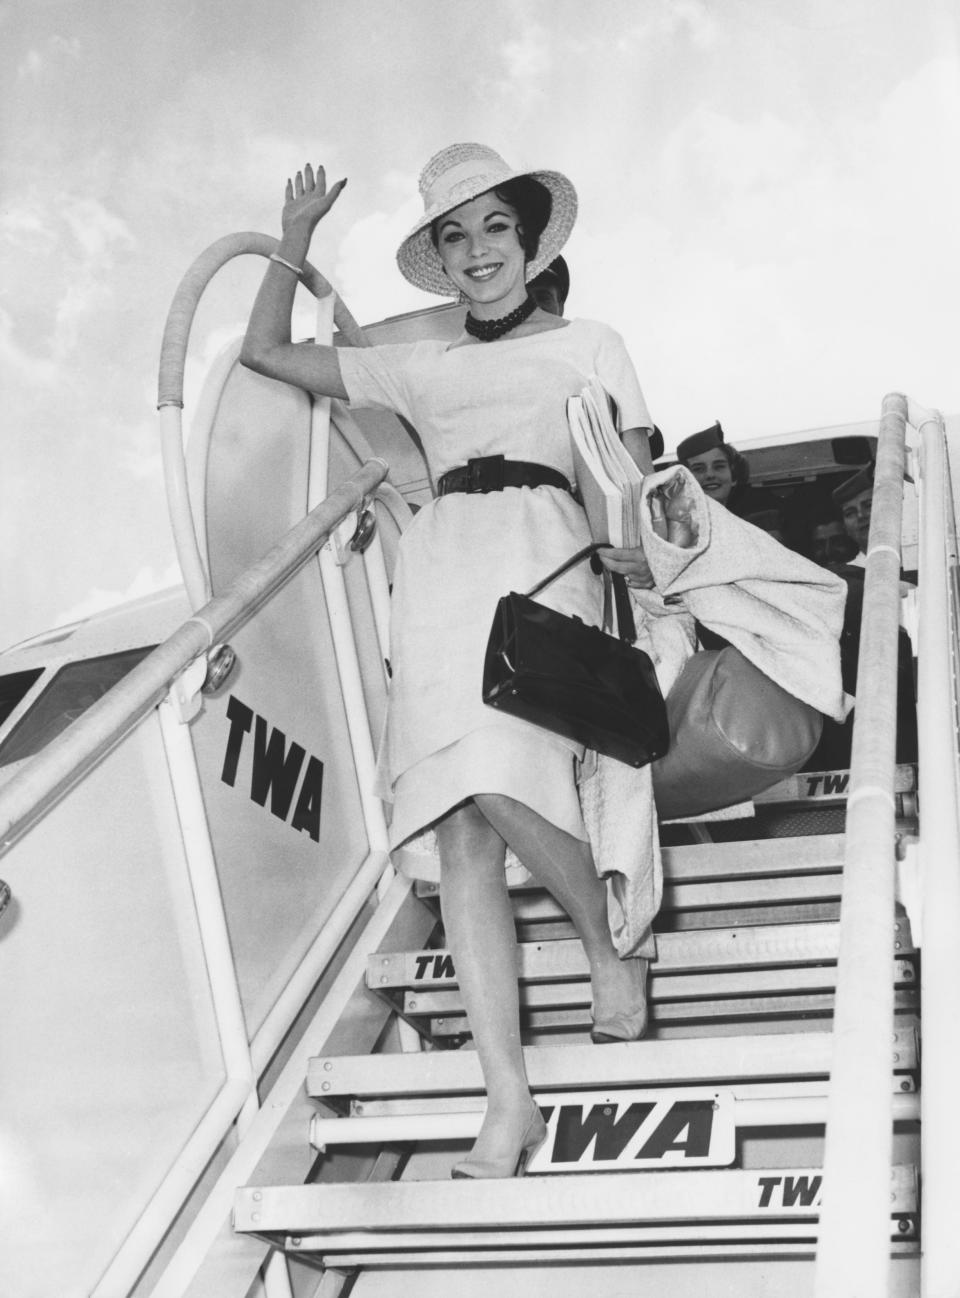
x=528, y=56
x=33, y=371
x=523, y=72
x=25, y=229
x=31, y=66
x=365, y=271
x=97, y=600
x=664, y=22
x=776, y=267
x=139, y=457
x=38, y=64
x=96, y=230
x=58, y=255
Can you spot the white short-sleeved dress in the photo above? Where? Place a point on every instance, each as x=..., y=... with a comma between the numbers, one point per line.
x=441, y=743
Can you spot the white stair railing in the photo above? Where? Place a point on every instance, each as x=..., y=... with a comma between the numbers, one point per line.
x=853, y=1255
x=42, y=781
x=940, y=863
x=169, y=674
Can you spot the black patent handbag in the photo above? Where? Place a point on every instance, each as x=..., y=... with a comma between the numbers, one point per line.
x=576, y=680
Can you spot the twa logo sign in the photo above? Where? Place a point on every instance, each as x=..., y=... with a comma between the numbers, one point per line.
x=828, y=785
x=800, y=1190
x=275, y=769
x=636, y=1130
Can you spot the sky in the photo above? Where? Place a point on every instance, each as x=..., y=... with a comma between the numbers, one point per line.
x=769, y=214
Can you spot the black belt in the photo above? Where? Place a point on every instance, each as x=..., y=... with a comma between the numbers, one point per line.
x=493, y=473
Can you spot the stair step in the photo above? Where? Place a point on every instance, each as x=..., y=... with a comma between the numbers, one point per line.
x=703, y=862
x=796, y=1105
x=674, y=989
x=827, y=786
x=404, y=1106
x=786, y=1239
x=746, y=1009
x=705, y=1060
x=535, y=1211
x=747, y=893
x=674, y=921
x=729, y=948
x=553, y=927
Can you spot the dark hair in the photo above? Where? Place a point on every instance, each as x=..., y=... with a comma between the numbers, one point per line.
x=556, y=275
x=739, y=468
x=824, y=513
x=532, y=203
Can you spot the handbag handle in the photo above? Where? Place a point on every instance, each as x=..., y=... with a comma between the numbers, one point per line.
x=625, y=623
x=567, y=565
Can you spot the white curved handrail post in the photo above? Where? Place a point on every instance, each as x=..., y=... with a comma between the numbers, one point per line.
x=853, y=1254
x=173, y=355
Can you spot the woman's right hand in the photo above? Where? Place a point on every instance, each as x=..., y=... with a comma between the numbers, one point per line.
x=307, y=198
x=630, y=563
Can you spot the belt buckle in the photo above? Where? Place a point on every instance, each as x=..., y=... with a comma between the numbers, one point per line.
x=485, y=473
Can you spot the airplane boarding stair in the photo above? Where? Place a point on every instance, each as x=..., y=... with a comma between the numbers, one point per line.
x=273, y=1072
x=703, y=1141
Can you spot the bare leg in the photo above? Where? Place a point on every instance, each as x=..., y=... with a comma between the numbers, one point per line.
x=564, y=865
x=479, y=925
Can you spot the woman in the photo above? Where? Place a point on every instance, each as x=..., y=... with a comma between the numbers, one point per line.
x=724, y=474
x=490, y=408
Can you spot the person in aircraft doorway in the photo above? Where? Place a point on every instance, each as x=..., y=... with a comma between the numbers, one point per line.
x=551, y=287
x=846, y=555
x=854, y=501
x=724, y=474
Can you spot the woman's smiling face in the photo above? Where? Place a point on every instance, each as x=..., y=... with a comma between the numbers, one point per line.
x=479, y=245
x=713, y=473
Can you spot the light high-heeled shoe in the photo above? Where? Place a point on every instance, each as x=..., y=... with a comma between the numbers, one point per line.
x=625, y=1026
x=514, y=1164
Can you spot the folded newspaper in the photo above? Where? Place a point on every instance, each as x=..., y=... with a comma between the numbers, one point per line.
x=608, y=480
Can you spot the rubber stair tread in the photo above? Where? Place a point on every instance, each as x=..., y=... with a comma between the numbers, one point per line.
x=748, y=945
x=665, y=986
x=795, y=1009
x=703, y=862
x=755, y=892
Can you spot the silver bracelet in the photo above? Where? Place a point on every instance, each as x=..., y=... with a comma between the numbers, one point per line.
x=289, y=264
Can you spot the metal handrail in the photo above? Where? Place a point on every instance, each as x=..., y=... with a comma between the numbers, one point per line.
x=853, y=1255
x=47, y=777
x=940, y=863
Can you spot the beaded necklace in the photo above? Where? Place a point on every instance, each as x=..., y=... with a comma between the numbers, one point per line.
x=487, y=331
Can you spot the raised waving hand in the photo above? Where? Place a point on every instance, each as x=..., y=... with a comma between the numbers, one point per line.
x=307, y=198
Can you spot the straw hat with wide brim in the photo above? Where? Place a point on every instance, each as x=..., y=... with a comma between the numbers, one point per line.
x=456, y=175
